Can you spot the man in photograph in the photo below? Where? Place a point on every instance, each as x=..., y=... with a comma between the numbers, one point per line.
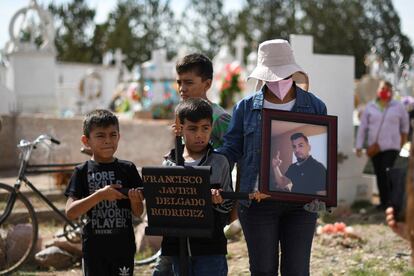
x=306, y=176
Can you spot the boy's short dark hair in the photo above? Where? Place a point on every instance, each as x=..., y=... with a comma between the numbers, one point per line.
x=298, y=135
x=197, y=63
x=99, y=118
x=194, y=110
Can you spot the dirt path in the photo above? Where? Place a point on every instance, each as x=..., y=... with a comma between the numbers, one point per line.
x=378, y=251
x=375, y=251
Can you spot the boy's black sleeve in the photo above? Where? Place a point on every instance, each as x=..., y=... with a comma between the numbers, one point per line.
x=74, y=188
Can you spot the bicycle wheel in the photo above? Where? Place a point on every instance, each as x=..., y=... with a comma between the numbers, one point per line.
x=18, y=230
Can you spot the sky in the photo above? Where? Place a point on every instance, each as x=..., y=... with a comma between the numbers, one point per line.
x=9, y=7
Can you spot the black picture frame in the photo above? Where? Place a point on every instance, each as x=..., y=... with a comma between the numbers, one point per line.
x=321, y=132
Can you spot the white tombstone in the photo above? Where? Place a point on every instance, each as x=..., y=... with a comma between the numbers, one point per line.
x=332, y=79
x=219, y=62
x=182, y=51
x=251, y=64
x=240, y=43
x=90, y=92
x=84, y=87
x=39, y=84
x=156, y=72
x=373, y=63
x=31, y=68
x=8, y=100
x=32, y=78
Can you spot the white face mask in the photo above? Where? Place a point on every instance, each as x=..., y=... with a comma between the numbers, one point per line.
x=280, y=88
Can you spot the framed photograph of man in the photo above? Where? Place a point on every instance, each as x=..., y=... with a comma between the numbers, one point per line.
x=299, y=152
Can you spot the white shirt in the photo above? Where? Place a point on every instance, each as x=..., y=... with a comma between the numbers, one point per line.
x=192, y=163
x=285, y=106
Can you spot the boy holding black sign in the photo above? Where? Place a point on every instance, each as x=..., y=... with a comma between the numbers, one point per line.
x=207, y=255
x=194, y=78
x=95, y=189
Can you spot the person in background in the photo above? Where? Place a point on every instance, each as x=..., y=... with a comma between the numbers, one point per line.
x=384, y=122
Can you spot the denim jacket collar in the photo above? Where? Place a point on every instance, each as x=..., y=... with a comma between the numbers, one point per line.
x=301, y=100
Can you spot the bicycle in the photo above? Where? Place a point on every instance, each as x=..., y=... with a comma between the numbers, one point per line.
x=17, y=212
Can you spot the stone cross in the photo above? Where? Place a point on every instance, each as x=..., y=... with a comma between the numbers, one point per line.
x=240, y=43
x=157, y=72
x=118, y=57
x=45, y=29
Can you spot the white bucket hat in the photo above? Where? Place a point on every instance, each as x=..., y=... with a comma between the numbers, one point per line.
x=275, y=61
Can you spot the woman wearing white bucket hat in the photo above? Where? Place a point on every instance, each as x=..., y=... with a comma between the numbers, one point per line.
x=268, y=223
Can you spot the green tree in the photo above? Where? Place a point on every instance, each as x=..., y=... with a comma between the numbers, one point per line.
x=138, y=27
x=348, y=27
x=352, y=27
x=98, y=43
x=261, y=20
x=205, y=26
x=337, y=28
x=74, y=29
x=385, y=28
x=120, y=32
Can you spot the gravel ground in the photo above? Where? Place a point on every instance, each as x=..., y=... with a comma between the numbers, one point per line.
x=376, y=250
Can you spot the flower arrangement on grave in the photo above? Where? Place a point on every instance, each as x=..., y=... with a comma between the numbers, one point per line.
x=127, y=98
x=408, y=102
x=170, y=98
x=231, y=84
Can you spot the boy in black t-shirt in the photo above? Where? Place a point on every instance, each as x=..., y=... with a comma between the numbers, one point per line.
x=108, y=237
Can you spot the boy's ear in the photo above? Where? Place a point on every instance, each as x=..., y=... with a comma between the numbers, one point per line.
x=85, y=140
x=208, y=83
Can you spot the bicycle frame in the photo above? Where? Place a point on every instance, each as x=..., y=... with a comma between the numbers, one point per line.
x=47, y=201
x=26, y=150
x=9, y=207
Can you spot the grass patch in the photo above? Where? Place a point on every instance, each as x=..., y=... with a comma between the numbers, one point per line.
x=229, y=256
x=376, y=267
x=143, y=254
x=360, y=204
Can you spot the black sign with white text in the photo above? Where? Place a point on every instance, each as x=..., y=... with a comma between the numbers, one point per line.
x=178, y=201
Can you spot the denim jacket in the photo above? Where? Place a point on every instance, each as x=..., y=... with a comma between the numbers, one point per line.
x=242, y=142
